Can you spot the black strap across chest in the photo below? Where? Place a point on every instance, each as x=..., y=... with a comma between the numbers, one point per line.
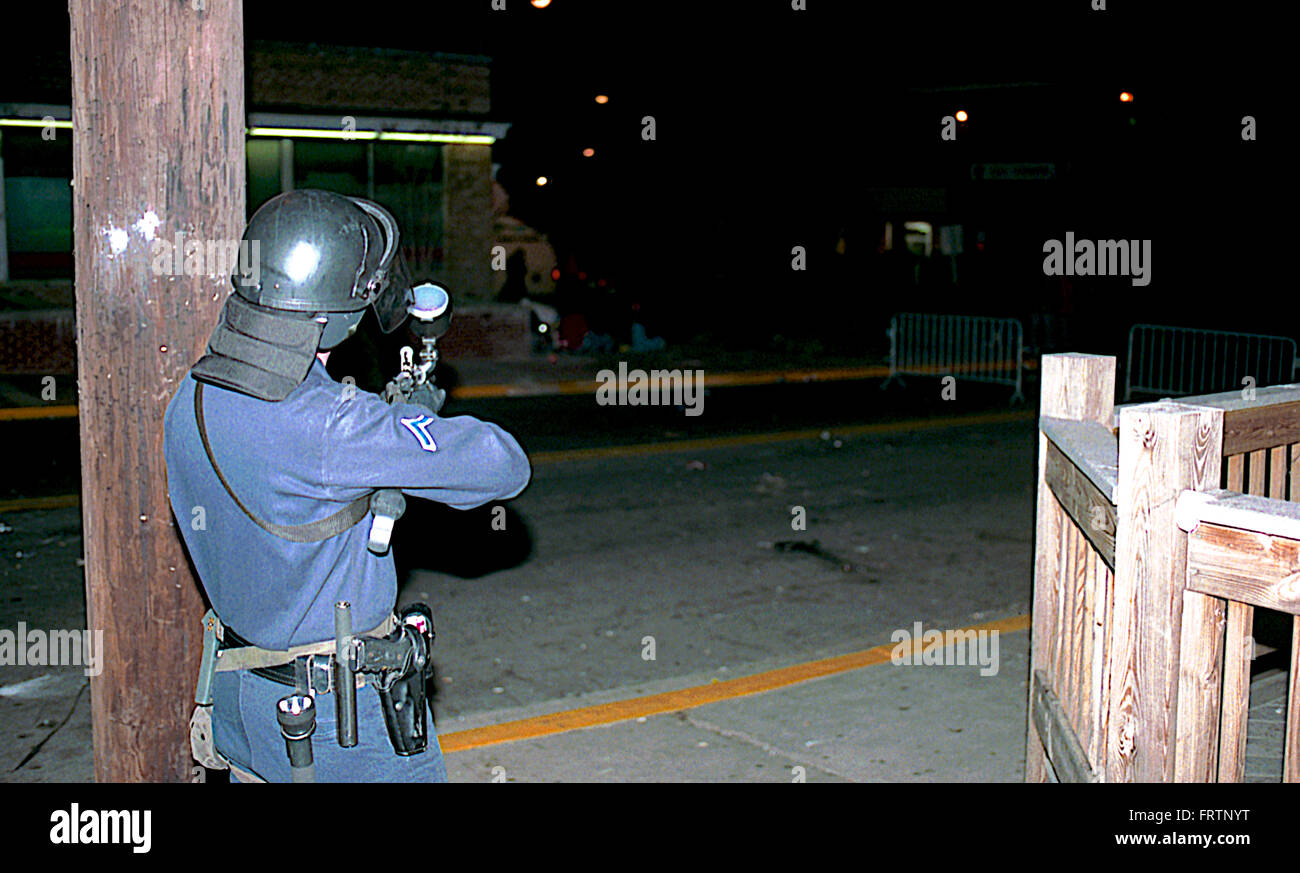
x=312, y=532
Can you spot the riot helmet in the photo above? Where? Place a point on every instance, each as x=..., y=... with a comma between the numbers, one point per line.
x=327, y=253
x=318, y=260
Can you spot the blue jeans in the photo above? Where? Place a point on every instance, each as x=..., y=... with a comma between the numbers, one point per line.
x=246, y=733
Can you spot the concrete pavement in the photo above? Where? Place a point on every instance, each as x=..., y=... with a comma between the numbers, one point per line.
x=699, y=552
x=690, y=548
x=882, y=723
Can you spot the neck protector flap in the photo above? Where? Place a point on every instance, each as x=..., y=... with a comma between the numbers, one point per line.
x=258, y=351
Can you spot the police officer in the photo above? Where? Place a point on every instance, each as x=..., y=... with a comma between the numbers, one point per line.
x=270, y=462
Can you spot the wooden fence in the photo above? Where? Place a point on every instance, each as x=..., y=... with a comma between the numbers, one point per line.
x=1151, y=554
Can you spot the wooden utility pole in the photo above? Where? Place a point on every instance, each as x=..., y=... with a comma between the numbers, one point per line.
x=158, y=148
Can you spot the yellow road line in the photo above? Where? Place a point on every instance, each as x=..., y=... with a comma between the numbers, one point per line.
x=641, y=449
x=57, y=502
x=587, y=386
x=755, y=439
x=716, y=380
x=26, y=413
x=688, y=698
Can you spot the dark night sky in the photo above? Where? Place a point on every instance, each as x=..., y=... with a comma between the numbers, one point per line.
x=773, y=124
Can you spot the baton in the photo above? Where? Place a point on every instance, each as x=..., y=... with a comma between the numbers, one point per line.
x=345, y=683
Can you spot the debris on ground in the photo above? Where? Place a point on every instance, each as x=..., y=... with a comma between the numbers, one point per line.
x=28, y=688
x=811, y=547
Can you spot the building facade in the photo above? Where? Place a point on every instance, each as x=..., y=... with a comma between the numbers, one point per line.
x=410, y=130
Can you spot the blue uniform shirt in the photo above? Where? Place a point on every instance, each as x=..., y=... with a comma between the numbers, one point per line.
x=300, y=460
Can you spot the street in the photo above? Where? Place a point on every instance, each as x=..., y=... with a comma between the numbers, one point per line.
x=640, y=568
x=933, y=526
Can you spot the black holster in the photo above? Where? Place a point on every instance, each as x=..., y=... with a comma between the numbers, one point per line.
x=403, y=688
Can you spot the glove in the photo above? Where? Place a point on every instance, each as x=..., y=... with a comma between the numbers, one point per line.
x=429, y=396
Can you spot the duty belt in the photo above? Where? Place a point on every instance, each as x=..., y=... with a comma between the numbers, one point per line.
x=286, y=672
x=234, y=652
x=397, y=655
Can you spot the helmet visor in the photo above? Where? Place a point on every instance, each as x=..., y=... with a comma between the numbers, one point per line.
x=391, y=303
x=391, y=274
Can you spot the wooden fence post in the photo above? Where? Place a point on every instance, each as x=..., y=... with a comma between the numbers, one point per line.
x=1164, y=449
x=1079, y=388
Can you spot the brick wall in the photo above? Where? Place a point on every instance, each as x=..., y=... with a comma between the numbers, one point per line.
x=40, y=342
x=44, y=342
x=338, y=79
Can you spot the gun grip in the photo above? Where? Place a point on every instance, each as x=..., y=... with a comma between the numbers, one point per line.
x=386, y=505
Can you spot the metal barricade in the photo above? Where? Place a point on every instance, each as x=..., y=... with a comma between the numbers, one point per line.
x=971, y=347
x=1177, y=361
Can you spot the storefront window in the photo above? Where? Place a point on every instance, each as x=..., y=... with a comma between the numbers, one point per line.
x=263, y=171
x=38, y=202
x=406, y=178
x=330, y=165
x=408, y=182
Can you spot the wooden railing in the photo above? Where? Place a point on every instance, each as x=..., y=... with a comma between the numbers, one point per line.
x=1141, y=643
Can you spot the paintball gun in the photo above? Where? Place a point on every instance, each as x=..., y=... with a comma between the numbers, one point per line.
x=430, y=318
x=430, y=314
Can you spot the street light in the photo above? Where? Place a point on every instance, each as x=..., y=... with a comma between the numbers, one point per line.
x=962, y=116
x=602, y=98
x=541, y=4
x=586, y=153
x=1125, y=97
x=542, y=180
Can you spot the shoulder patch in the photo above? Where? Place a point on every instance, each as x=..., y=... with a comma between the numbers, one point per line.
x=419, y=428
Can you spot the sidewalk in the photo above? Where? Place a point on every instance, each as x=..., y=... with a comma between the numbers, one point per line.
x=882, y=723
x=877, y=723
